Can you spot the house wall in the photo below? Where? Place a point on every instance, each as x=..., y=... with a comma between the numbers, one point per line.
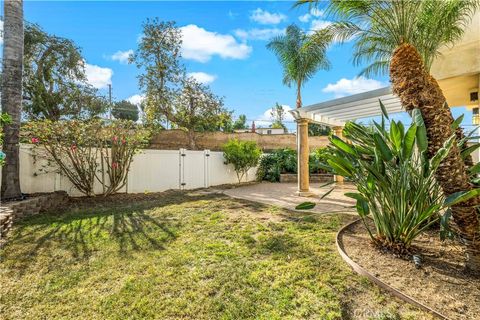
x=151, y=171
x=176, y=139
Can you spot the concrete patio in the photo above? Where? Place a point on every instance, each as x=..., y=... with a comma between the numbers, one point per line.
x=284, y=195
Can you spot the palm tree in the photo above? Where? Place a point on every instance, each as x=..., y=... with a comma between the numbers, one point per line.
x=301, y=56
x=12, y=95
x=404, y=36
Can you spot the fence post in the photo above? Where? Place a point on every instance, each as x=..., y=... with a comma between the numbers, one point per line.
x=206, y=168
x=181, y=167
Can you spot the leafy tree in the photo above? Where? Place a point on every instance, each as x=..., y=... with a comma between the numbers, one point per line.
x=196, y=108
x=125, y=110
x=411, y=33
x=54, y=79
x=315, y=129
x=158, y=57
x=277, y=114
x=243, y=155
x=11, y=88
x=240, y=123
x=301, y=56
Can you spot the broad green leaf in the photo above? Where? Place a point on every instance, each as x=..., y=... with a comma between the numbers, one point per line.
x=342, y=145
x=355, y=195
x=384, y=110
x=409, y=141
x=421, y=134
x=395, y=135
x=466, y=152
x=306, y=205
x=475, y=169
x=441, y=154
x=362, y=208
x=445, y=231
x=461, y=196
x=456, y=123
x=339, y=169
x=382, y=147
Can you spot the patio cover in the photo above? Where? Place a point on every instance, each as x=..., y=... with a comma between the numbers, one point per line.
x=335, y=113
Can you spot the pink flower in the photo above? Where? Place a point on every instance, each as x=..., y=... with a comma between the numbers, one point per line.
x=73, y=147
x=115, y=165
x=124, y=141
x=115, y=138
x=35, y=140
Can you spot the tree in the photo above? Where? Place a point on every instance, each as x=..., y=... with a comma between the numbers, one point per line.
x=243, y=155
x=301, y=56
x=196, y=108
x=54, y=79
x=405, y=36
x=158, y=56
x=125, y=110
x=277, y=114
x=240, y=123
x=12, y=96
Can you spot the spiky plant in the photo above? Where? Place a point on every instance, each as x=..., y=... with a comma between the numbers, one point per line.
x=404, y=36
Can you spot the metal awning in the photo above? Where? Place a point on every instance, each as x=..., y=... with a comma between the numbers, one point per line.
x=338, y=111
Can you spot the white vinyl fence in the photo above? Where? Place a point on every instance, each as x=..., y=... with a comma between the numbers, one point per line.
x=151, y=171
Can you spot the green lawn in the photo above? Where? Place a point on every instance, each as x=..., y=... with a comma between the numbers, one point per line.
x=183, y=256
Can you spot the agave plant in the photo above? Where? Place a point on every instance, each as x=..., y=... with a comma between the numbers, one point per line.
x=395, y=179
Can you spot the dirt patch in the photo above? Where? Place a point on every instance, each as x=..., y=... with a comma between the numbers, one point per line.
x=440, y=283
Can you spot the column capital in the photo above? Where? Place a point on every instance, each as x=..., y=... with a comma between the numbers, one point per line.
x=302, y=121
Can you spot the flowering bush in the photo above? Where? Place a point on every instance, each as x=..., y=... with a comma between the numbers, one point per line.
x=89, y=151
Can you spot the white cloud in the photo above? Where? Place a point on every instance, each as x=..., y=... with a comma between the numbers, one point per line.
x=313, y=13
x=1, y=32
x=136, y=99
x=346, y=87
x=318, y=24
x=97, y=76
x=266, y=118
x=122, y=56
x=202, y=77
x=200, y=45
x=265, y=17
x=258, y=34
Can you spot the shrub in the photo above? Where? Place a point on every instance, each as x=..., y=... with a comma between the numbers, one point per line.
x=285, y=161
x=243, y=155
x=86, y=151
x=394, y=178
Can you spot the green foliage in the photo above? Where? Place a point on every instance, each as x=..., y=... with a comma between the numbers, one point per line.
x=378, y=27
x=285, y=161
x=300, y=55
x=88, y=151
x=243, y=155
x=4, y=119
x=277, y=115
x=395, y=180
x=240, y=123
x=125, y=110
x=315, y=129
x=54, y=80
x=306, y=205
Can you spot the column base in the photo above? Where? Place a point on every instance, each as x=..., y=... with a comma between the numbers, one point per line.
x=304, y=193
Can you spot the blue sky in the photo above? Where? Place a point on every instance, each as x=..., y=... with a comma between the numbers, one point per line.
x=224, y=45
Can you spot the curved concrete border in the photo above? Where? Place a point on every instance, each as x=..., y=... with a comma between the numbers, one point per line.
x=361, y=271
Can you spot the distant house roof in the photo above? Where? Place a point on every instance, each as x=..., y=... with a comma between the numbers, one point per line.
x=338, y=111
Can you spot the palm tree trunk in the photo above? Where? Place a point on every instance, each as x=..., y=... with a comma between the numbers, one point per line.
x=416, y=88
x=299, y=94
x=12, y=95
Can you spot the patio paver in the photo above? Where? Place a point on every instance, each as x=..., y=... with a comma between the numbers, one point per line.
x=284, y=195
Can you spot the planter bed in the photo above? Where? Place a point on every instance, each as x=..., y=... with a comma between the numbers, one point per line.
x=441, y=283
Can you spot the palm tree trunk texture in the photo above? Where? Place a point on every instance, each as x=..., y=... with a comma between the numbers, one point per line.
x=416, y=88
x=12, y=95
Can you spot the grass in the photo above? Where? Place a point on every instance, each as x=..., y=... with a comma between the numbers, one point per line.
x=183, y=256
